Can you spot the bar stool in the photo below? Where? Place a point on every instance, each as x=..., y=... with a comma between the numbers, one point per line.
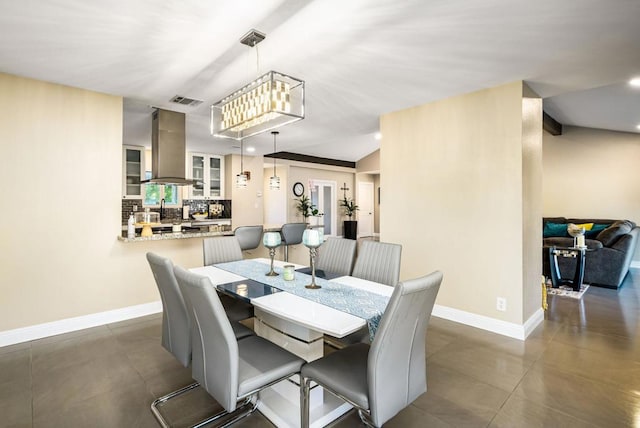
x=249, y=237
x=291, y=235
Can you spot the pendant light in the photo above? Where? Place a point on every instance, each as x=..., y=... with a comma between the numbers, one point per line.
x=268, y=102
x=274, y=181
x=241, y=179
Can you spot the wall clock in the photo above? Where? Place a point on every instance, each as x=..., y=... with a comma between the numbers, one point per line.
x=298, y=189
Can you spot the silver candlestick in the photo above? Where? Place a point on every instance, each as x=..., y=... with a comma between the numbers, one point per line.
x=271, y=240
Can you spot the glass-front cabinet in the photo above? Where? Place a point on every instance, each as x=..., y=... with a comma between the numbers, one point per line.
x=132, y=171
x=209, y=171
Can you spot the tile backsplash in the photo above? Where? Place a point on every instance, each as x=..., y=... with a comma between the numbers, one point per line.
x=170, y=214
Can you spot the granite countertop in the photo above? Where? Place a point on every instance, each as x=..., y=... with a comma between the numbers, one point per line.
x=188, y=223
x=170, y=235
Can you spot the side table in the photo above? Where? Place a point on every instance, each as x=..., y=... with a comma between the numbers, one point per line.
x=576, y=252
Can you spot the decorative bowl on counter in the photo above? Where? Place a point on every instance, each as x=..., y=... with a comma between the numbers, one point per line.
x=198, y=216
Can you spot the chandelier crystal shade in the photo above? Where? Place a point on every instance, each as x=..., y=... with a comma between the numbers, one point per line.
x=272, y=100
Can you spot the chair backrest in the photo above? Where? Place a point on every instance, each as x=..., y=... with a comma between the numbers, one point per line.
x=176, y=337
x=378, y=262
x=396, y=369
x=249, y=237
x=336, y=255
x=221, y=249
x=215, y=356
x=292, y=233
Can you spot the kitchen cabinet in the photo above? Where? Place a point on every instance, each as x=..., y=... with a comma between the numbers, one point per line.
x=132, y=171
x=208, y=169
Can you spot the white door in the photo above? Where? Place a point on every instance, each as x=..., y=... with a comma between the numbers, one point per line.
x=365, y=213
x=323, y=196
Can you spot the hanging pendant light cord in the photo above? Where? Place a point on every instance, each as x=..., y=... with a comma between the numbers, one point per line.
x=274, y=152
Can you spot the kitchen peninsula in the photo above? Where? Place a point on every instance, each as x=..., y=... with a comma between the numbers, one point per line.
x=188, y=229
x=163, y=236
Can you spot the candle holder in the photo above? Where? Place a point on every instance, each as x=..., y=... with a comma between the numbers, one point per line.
x=312, y=239
x=271, y=240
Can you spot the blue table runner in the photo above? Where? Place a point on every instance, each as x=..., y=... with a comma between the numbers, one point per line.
x=345, y=298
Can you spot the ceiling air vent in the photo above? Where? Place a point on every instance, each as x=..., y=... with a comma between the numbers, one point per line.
x=185, y=101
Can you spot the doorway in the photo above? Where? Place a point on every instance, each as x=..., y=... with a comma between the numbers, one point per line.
x=323, y=196
x=365, y=213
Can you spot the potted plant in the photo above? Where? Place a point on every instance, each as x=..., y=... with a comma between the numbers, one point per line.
x=350, y=226
x=305, y=207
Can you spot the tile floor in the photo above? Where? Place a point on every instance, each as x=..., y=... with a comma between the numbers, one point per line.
x=581, y=368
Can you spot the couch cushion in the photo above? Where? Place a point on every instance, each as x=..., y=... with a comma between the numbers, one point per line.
x=546, y=220
x=611, y=234
x=555, y=229
x=627, y=222
x=591, y=220
x=595, y=229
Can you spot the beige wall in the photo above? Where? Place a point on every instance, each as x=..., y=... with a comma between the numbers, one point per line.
x=275, y=201
x=369, y=163
x=452, y=177
x=303, y=172
x=376, y=204
x=247, y=204
x=531, y=203
x=60, y=258
x=592, y=173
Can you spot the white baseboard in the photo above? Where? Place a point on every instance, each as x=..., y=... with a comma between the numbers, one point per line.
x=516, y=331
x=635, y=264
x=25, y=334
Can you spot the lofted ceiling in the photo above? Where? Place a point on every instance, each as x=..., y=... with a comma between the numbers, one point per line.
x=359, y=58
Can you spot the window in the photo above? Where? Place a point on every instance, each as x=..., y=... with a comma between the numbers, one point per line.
x=154, y=193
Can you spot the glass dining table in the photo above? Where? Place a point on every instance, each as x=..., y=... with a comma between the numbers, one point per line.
x=297, y=321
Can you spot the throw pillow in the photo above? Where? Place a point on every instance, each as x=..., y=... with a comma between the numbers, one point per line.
x=611, y=234
x=585, y=226
x=595, y=230
x=552, y=230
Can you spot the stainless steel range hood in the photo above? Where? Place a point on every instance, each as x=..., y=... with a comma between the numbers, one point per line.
x=168, y=148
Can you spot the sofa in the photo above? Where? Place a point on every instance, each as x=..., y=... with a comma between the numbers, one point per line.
x=613, y=243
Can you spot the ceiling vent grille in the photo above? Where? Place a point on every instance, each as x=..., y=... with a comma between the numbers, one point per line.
x=185, y=101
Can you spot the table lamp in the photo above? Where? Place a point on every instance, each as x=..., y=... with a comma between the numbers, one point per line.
x=271, y=240
x=312, y=239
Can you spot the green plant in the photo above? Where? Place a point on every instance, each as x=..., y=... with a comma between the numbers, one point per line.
x=349, y=206
x=305, y=207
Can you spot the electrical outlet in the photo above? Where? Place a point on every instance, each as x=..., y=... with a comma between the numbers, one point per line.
x=135, y=208
x=501, y=304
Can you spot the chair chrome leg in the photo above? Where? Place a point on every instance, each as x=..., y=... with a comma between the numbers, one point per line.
x=242, y=407
x=254, y=405
x=286, y=253
x=154, y=406
x=366, y=420
x=240, y=413
x=304, y=402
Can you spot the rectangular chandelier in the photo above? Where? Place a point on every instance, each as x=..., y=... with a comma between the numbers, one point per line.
x=270, y=101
